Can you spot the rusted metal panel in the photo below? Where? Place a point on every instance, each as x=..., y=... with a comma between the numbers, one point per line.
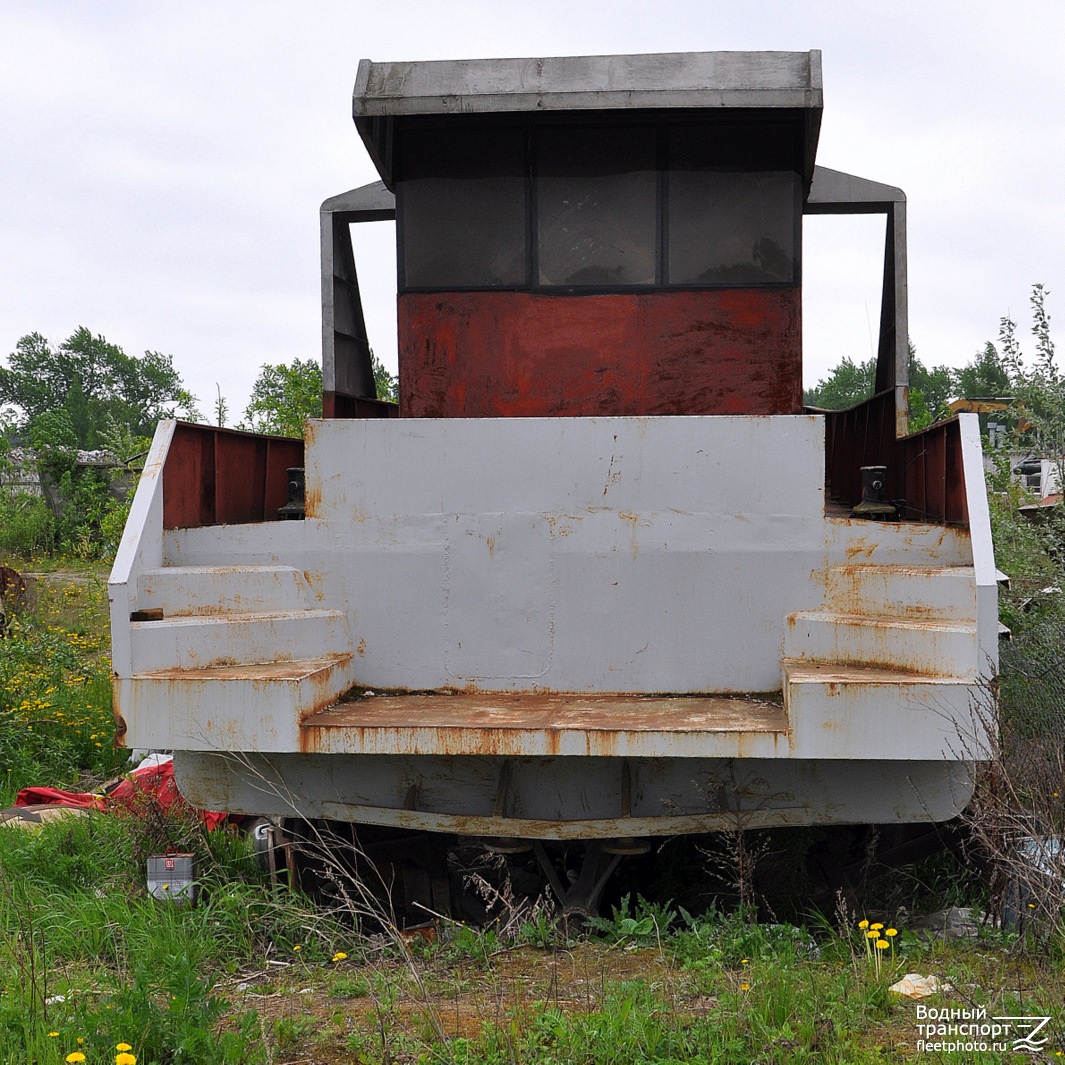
x=863, y=435
x=925, y=470
x=217, y=476
x=934, y=479
x=521, y=354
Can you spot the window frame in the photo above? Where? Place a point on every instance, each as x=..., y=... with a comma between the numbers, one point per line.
x=663, y=131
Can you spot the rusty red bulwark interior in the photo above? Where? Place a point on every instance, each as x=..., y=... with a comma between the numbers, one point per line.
x=522, y=354
x=217, y=476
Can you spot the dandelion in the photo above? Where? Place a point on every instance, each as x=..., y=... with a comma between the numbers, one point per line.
x=52, y=1035
x=123, y=1046
x=745, y=987
x=882, y=944
x=872, y=934
x=297, y=947
x=339, y=956
x=891, y=932
x=74, y=1057
x=125, y=1059
x=863, y=924
x=876, y=927
x=744, y=961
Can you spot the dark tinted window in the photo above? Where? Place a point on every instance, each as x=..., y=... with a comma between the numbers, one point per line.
x=463, y=209
x=732, y=227
x=596, y=207
x=733, y=204
x=727, y=195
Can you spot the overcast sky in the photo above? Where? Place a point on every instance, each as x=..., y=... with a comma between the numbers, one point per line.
x=162, y=165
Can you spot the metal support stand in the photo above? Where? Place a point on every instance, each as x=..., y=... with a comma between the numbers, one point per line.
x=580, y=898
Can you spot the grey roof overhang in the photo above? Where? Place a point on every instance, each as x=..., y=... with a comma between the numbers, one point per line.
x=666, y=81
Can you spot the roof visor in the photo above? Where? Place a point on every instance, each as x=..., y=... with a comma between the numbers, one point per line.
x=661, y=82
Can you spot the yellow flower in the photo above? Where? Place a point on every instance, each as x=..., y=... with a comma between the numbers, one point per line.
x=125, y=1059
x=882, y=944
x=339, y=956
x=123, y=1046
x=892, y=932
x=863, y=924
x=74, y=1057
x=52, y=1034
x=297, y=947
x=871, y=935
x=878, y=925
x=744, y=961
x=745, y=987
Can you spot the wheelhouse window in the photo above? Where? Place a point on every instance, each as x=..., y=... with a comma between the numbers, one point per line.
x=463, y=210
x=730, y=224
x=598, y=208
x=732, y=228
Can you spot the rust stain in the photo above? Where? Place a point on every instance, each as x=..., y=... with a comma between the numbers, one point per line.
x=860, y=548
x=556, y=526
x=312, y=499
x=633, y=521
x=491, y=540
x=360, y=647
x=120, y=721
x=314, y=582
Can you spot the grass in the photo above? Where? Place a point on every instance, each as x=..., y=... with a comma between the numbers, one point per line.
x=256, y=975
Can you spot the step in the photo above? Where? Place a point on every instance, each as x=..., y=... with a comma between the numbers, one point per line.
x=844, y=711
x=185, y=590
x=231, y=639
x=920, y=645
x=237, y=708
x=946, y=593
x=550, y=724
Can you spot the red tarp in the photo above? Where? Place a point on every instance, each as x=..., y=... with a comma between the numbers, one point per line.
x=152, y=786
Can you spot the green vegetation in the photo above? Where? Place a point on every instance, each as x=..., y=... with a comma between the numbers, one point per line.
x=55, y=688
x=95, y=385
x=283, y=396
x=286, y=394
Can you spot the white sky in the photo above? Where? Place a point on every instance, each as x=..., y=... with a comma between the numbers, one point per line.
x=162, y=164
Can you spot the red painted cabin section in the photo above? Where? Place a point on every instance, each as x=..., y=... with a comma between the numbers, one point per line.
x=522, y=354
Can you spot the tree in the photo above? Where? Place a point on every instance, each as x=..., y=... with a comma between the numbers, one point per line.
x=985, y=377
x=386, y=384
x=849, y=383
x=931, y=389
x=94, y=381
x=1038, y=388
x=283, y=397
